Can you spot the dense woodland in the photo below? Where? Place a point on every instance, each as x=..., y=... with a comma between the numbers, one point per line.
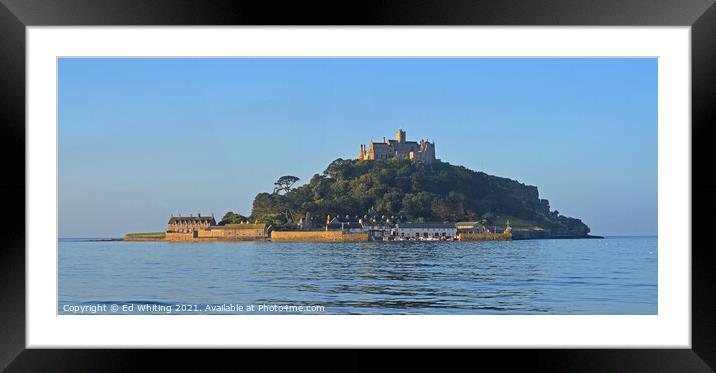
x=411, y=190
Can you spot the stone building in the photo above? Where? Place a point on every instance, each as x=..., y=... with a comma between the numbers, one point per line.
x=423, y=150
x=308, y=222
x=347, y=225
x=204, y=228
x=188, y=224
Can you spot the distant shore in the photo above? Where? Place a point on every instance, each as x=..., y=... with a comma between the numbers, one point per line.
x=333, y=237
x=116, y=239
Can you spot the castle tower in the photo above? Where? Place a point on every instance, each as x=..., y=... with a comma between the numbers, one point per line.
x=362, y=153
x=400, y=136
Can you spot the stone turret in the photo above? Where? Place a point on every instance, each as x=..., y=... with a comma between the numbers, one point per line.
x=400, y=136
x=362, y=153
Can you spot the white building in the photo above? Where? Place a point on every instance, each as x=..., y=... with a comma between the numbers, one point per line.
x=377, y=230
x=425, y=230
x=352, y=227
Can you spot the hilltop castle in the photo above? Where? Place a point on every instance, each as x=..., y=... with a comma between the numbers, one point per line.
x=423, y=151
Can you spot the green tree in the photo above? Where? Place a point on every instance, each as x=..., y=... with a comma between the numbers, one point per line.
x=284, y=184
x=232, y=218
x=441, y=209
x=266, y=205
x=435, y=192
x=417, y=205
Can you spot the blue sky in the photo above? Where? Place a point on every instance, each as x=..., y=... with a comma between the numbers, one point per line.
x=140, y=139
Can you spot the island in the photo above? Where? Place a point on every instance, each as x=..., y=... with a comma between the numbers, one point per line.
x=395, y=190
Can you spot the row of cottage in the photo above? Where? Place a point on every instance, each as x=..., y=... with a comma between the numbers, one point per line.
x=192, y=228
x=370, y=227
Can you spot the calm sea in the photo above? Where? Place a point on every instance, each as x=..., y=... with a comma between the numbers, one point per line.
x=616, y=275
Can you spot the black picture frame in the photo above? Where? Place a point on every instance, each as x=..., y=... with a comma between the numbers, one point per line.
x=15, y=15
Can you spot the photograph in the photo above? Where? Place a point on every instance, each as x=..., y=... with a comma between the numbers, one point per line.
x=357, y=186
x=504, y=178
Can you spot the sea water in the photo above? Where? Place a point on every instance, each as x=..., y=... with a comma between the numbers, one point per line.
x=615, y=275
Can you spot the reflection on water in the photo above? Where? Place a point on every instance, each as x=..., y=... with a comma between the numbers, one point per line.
x=617, y=275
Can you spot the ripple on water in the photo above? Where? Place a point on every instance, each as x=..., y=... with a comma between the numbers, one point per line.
x=616, y=275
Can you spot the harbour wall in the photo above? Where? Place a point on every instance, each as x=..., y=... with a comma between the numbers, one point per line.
x=143, y=237
x=485, y=236
x=202, y=235
x=180, y=237
x=318, y=236
x=233, y=232
x=529, y=234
